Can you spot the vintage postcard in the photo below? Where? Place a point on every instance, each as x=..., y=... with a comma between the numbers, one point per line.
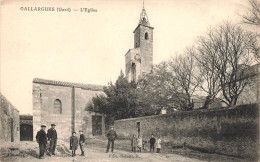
x=124, y=80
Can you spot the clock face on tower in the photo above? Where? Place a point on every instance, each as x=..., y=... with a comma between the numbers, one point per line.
x=137, y=57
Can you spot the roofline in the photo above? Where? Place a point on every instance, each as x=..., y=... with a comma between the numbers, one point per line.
x=69, y=84
x=143, y=25
x=138, y=48
x=127, y=52
x=12, y=106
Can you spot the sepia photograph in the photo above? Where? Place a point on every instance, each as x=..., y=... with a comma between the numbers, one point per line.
x=129, y=80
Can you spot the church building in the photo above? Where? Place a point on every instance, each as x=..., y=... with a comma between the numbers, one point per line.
x=139, y=60
x=66, y=105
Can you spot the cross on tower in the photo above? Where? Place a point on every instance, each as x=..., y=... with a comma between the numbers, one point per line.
x=143, y=17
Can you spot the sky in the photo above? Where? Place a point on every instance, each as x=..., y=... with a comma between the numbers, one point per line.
x=90, y=47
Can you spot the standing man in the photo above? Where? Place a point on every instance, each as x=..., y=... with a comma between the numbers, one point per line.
x=81, y=142
x=41, y=139
x=52, y=137
x=152, y=142
x=111, y=136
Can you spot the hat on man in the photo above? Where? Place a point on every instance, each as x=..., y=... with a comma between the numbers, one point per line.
x=43, y=125
x=53, y=125
x=73, y=132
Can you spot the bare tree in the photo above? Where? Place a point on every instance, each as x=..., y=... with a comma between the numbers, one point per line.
x=206, y=56
x=253, y=15
x=170, y=84
x=229, y=50
x=218, y=66
x=184, y=79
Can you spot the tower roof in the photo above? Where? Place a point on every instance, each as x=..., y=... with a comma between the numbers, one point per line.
x=144, y=18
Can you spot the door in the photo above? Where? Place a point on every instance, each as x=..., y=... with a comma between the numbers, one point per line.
x=96, y=125
x=26, y=132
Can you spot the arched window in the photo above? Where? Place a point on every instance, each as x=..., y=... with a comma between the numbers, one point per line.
x=57, y=107
x=146, y=37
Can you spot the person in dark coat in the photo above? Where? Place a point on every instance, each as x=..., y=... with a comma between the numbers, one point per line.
x=41, y=139
x=81, y=142
x=73, y=144
x=111, y=136
x=52, y=137
x=152, y=142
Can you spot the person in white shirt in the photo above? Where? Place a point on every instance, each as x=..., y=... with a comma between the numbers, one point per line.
x=139, y=143
x=158, y=144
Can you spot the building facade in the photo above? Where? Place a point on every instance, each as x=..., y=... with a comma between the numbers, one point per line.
x=139, y=60
x=65, y=104
x=9, y=121
x=250, y=93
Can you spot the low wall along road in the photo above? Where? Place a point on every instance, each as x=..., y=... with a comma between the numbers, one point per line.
x=227, y=131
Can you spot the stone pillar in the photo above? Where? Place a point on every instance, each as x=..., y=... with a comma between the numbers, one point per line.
x=16, y=125
x=79, y=108
x=36, y=97
x=73, y=110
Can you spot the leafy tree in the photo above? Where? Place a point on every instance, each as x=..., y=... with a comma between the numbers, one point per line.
x=119, y=101
x=152, y=91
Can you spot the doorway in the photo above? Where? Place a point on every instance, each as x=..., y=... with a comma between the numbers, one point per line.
x=138, y=125
x=26, y=132
x=96, y=125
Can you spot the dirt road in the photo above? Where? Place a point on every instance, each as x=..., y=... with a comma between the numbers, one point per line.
x=95, y=152
x=28, y=152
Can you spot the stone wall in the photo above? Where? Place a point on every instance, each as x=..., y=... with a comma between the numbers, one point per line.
x=83, y=118
x=43, y=104
x=250, y=94
x=232, y=131
x=9, y=121
x=87, y=123
x=146, y=47
x=73, y=103
x=143, y=46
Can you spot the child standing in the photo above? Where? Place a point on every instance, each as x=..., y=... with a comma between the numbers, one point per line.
x=73, y=144
x=81, y=142
x=144, y=145
x=139, y=143
x=158, y=145
x=134, y=143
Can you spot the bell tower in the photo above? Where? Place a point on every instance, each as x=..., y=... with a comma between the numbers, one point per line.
x=139, y=60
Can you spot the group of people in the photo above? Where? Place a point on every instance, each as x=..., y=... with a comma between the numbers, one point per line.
x=42, y=139
x=74, y=143
x=138, y=144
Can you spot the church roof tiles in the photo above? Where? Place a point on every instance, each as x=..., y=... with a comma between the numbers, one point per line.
x=69, y=84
